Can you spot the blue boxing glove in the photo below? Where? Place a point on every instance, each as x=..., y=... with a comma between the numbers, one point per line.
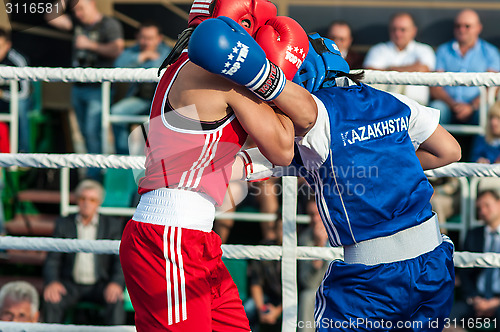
x=223, y=47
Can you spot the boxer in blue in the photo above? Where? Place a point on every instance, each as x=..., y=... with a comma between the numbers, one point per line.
x=364, y=156
x=397, y=272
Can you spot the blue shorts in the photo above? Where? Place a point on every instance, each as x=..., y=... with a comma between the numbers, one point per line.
x=410, y=295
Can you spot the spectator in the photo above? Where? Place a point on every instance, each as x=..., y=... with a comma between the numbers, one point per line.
x=486, y=149
x=98, y=41
x=466, y=53
x=148, y=52
x=70, y=277
x=341, y=33
x=481, y=287
x=264, y=307
x=10, y=57
x=403, y=53
x=310, y=273
x=19, y=302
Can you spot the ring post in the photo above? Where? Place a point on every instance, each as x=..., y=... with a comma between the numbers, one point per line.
x=289, y=259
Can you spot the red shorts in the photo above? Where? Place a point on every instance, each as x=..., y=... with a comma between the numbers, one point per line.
x=177, y=280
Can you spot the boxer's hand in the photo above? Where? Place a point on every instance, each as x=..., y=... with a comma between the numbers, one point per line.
x=256, y=166
x=223, y=47
x=285, y=43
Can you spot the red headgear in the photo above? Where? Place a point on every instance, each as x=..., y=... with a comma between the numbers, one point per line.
x=257, y=12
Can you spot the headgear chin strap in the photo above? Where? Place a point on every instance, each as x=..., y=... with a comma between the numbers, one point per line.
x=322, y=65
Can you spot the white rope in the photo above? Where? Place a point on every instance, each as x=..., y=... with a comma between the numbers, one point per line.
x=474, y=259
x=39, y=327
x=465, y=169
x=44, y=160
x=79, y=74
x=112, y=247
x=150, y=75
x=59, y=245
x=462, y=259
x=432, y=79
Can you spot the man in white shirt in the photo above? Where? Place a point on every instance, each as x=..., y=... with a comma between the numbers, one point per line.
x=403, y=53
x=71, y=277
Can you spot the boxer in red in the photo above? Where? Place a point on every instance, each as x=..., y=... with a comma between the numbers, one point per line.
x=199, y=120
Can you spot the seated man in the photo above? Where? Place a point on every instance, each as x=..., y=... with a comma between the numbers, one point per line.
x=148, y=52
x=481, y=287
x=19, y=302
x=467, y=52
x=71, y=277
x=403, y=53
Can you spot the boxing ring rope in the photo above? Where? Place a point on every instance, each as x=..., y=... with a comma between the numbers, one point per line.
x=75, y=160
x=289, y=252
x=42, y=327
x=100, y=75
x=107, y=75
x=230, y=251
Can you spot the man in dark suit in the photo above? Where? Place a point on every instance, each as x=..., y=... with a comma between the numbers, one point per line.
x=481, y=286
x=73, y=277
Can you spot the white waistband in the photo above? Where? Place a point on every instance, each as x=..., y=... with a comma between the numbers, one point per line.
x=178, y=208
x=406, y=244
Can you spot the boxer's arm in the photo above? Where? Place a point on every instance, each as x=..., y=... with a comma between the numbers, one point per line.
x=311, y=152
x=299, y=105
x=440, y=149
x=272, y=131
x=286, y=44
x=435, y=147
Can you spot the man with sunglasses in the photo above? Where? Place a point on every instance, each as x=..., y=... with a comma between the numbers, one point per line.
x=465, y=53
x=70, y=277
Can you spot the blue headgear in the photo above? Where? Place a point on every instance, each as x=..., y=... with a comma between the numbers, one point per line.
x=322, y=64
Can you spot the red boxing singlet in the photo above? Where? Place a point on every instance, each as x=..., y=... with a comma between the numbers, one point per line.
x=187, y=154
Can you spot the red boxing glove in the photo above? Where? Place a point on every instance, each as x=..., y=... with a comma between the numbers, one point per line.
x=285, y=43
